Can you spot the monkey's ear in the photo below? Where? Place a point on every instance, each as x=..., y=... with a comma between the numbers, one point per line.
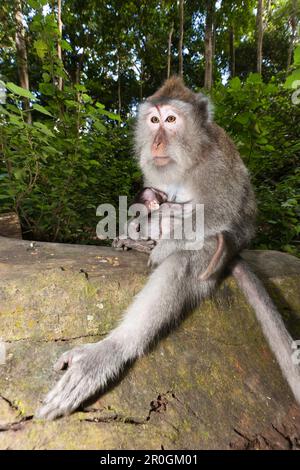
x=204, y=108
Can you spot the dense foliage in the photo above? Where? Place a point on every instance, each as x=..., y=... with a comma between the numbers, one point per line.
x=65, y=145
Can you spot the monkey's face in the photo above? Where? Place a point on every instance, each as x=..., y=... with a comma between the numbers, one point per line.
x=164, y=124
x=162, y=135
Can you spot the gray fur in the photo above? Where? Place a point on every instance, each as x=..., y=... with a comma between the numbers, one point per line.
x=206, y=168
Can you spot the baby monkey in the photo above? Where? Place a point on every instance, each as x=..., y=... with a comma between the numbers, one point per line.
x=152, y=198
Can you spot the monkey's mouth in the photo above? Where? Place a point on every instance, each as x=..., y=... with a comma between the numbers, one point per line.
x=161, y=161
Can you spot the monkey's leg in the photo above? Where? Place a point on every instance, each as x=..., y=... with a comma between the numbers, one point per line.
x=169, y=290
x=271, y=322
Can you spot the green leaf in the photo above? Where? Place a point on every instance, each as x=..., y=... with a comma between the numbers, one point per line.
x=243, y=118
x=3, y=111
x=86, y=98
x=44, y=129
x=269, y=148
x=41, y=48
x=113, y=116
x=235, y=83
x=47, y=89
x=99, y=126
x=41, y=109
x=15, y=120
x=18, y=174
x=13, y=108
x=254, y=78
x=295, y=76
x=79, y=87
x=46, y=77
x=71, y=103
x=17, y=90
x=297, y=56
x=37, y=3
x=65, y=45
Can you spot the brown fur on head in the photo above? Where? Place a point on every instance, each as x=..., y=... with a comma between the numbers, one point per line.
x=174, y=89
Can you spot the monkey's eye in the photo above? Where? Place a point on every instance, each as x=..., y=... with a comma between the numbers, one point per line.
x=154, y=119
x=171, y=119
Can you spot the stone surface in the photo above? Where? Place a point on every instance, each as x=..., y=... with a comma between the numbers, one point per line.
x=212, y=383
x=10, y=225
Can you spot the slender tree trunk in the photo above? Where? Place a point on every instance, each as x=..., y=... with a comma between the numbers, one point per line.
x=169, y=50
x=119, y=87
x=208, y=78
x=232, y=52
x=141, y=80
x=213, y=41
x=293, y=23
x=59, y=53
x=22, y=55
x=260, y=34
x=180, y=46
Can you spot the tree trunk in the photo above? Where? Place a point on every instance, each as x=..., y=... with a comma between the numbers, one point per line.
x=293, y=23
x=208, y=78
x=119, y=87
x=260, y=33
x=180, y=46
x=169, y=50
x=22, y=56
x=213, y=42
x=141, y=80
x=59, y=54
x=232, y=52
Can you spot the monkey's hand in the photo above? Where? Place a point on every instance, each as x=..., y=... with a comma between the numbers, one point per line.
x=90, y=367
x=144, y=246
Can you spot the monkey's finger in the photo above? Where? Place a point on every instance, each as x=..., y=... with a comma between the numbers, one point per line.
x=70, y=357
x=65, y=397
x=121, y=245
x=64, y=361
x=117, y=243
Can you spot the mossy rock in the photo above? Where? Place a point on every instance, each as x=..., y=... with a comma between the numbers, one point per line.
x=212, y=383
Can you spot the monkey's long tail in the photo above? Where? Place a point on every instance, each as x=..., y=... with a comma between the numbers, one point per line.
x=271, y=323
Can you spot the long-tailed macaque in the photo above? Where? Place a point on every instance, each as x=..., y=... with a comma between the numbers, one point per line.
x=184, y=154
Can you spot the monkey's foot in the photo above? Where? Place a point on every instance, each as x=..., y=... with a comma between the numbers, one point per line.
x=89, y=368
x=144, y=246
